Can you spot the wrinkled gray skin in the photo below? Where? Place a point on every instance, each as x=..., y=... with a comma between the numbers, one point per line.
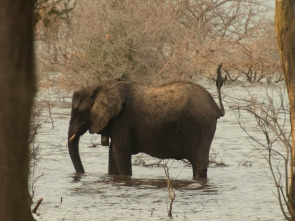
x=176, y=120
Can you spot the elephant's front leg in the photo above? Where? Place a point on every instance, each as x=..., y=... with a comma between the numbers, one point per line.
x=112, y=165
x=120, y=160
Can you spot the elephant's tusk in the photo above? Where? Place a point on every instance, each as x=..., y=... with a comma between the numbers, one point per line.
x=72, y=137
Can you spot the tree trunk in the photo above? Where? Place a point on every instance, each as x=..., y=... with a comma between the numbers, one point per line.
x=285, y=33
x=17, y=89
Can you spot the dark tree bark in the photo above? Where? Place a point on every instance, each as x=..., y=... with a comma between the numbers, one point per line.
x=285, y=31
x=17, y=89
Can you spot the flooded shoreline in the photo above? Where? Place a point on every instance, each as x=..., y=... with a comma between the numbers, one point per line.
x=243, y=190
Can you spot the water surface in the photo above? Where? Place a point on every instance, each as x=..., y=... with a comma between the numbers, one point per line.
x=243, y=190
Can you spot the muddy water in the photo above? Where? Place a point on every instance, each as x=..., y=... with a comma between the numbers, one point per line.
x=243, y=190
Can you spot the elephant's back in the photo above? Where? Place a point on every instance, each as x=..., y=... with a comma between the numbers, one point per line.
x=169, y=98
x=175, y=99
x=190, y=97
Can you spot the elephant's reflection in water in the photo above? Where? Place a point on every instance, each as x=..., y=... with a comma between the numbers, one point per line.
x=203, y=185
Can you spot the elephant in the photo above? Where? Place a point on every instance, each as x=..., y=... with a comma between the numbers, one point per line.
x=176, y=120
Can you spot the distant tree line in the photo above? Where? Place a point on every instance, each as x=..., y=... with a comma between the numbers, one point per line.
x=156, y=41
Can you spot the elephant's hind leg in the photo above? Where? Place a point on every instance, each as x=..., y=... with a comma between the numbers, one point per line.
x=202, y=173
x=200, y=161
x=199, y=171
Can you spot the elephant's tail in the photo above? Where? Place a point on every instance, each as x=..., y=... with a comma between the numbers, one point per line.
x=219, y=82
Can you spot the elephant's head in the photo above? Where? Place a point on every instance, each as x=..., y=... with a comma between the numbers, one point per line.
x=92, y=109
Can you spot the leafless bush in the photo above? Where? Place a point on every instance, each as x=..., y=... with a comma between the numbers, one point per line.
x=35, y=125
x=34, y=150
x=238, y=33
x=256, y=58
x=214, y=159
x=50, y=17
x=157, y=41
x=51, y=20
x=130, y=39
x=272, y=119
x=147, y=161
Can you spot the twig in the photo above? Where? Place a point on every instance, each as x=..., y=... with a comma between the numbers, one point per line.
x=57, y=206
x=37, y=205
x=171, y=192
x=50, y=114
x=34, y=180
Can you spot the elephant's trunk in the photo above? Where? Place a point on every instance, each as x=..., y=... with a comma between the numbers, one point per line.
x=73, y=145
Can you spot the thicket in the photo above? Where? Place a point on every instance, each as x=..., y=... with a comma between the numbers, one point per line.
x=156, y=41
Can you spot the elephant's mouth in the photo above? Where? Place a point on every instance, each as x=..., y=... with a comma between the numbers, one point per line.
x=78, y=134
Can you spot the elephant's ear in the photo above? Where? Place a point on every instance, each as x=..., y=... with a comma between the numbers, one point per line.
x=107, y=104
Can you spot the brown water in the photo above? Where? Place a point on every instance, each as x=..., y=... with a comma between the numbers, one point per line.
x=242, y=190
